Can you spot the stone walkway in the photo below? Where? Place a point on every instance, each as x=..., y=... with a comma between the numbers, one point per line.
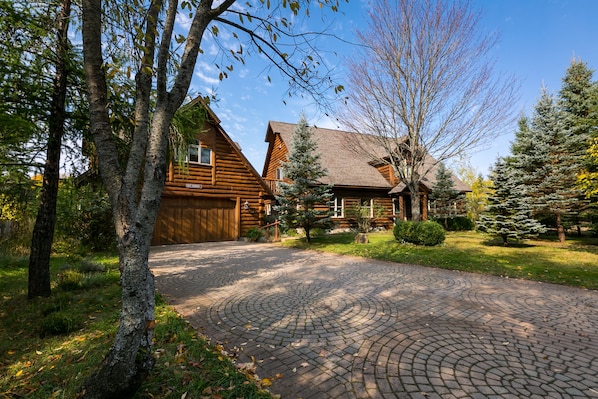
x=330, y=326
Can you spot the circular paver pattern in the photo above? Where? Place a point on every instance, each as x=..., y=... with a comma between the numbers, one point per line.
x=329, y=326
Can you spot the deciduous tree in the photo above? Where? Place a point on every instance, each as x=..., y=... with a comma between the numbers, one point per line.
x=145, y=40
x=423, y=83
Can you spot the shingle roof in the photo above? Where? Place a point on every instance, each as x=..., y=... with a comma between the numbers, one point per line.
x=345, y=165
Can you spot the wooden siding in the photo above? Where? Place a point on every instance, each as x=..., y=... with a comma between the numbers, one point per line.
x=383, y=207
x=184, y=220
x=277, y=153
x=388, y=173
x=199, y=194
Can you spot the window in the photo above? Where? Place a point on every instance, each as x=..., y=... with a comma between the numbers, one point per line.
x=199, y=154
x=366, y=206
x=279, y=174
x=336, y=207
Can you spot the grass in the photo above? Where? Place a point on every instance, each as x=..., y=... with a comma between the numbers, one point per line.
x=573, y=263
x=48, y=346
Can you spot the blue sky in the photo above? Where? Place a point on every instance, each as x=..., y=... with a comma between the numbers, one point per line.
x=539, y=38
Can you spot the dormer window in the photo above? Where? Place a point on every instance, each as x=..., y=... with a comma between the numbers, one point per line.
x=198, y=154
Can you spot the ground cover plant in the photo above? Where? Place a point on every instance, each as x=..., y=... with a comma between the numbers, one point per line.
x=48, y=346
x=573, y=263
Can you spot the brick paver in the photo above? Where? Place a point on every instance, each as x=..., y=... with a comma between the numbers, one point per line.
x=330, y=326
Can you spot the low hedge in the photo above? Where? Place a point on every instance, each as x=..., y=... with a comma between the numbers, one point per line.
x=419, y=233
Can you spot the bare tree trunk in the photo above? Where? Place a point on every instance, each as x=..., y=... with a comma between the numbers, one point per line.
x=415, y=203
x=43, y=232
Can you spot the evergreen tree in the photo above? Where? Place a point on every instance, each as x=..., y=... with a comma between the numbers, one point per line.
x=579, y=98
x=445, y=198
x=547, y=160
x=508, y=213
x=298, y=200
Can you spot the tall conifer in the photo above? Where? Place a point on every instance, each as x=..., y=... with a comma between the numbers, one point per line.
x=508, y=212
x=546, y=161
x=303, y=201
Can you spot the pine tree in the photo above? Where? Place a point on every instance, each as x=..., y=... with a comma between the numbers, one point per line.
x=445, y=197
x=299, y=199
x=546, y=162
x=508, y=213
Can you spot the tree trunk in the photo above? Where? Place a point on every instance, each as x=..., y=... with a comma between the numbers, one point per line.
x=415, y=202
x=43, y=232
x=559, y=228
x=130, y=359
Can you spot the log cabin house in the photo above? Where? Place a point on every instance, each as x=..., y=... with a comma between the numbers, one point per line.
x=217, y=195
x=356, y=179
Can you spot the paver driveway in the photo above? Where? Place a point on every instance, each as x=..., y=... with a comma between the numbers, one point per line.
x=344, y=327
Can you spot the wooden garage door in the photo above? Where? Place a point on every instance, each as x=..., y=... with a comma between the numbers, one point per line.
x=187, y=220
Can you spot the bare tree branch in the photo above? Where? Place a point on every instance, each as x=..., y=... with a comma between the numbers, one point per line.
x=426, y=85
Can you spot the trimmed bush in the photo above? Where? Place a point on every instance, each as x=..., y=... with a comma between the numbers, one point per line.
x=254, y=234
x=419, y=233
x=457, y=223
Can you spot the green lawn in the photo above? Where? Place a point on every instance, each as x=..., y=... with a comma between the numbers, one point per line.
x=573, y=263
x=49, y=345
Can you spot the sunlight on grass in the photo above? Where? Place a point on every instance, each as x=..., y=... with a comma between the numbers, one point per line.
x=48, y=346
x=573, y=263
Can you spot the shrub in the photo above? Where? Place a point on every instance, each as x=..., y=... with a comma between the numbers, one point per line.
x=70, y=280
x=58, y=323
x=457, y=223
x=419, y=233
x=254, y=234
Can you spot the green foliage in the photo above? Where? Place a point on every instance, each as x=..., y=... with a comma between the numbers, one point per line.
x=298, y=200
x=70, y=280
x=59, y=323
x=459, y=223
x=67, y=335
x=446, y=202
x=508, y=213
x=185, y=127
x=362, y=214
x=84, y=218
x=254, y=234
x=426, y=233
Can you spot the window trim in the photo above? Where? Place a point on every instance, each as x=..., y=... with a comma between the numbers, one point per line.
x=370, y=206
x=199, y=153
x=335, y=206
x=279, y=174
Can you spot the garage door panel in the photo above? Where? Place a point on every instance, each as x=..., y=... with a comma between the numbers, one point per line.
x=188, y=220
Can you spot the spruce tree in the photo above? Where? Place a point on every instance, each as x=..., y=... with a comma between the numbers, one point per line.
x=304, y=201
x=546, y=162
x=445, y=198
x=579, y=99
x=508, y=212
